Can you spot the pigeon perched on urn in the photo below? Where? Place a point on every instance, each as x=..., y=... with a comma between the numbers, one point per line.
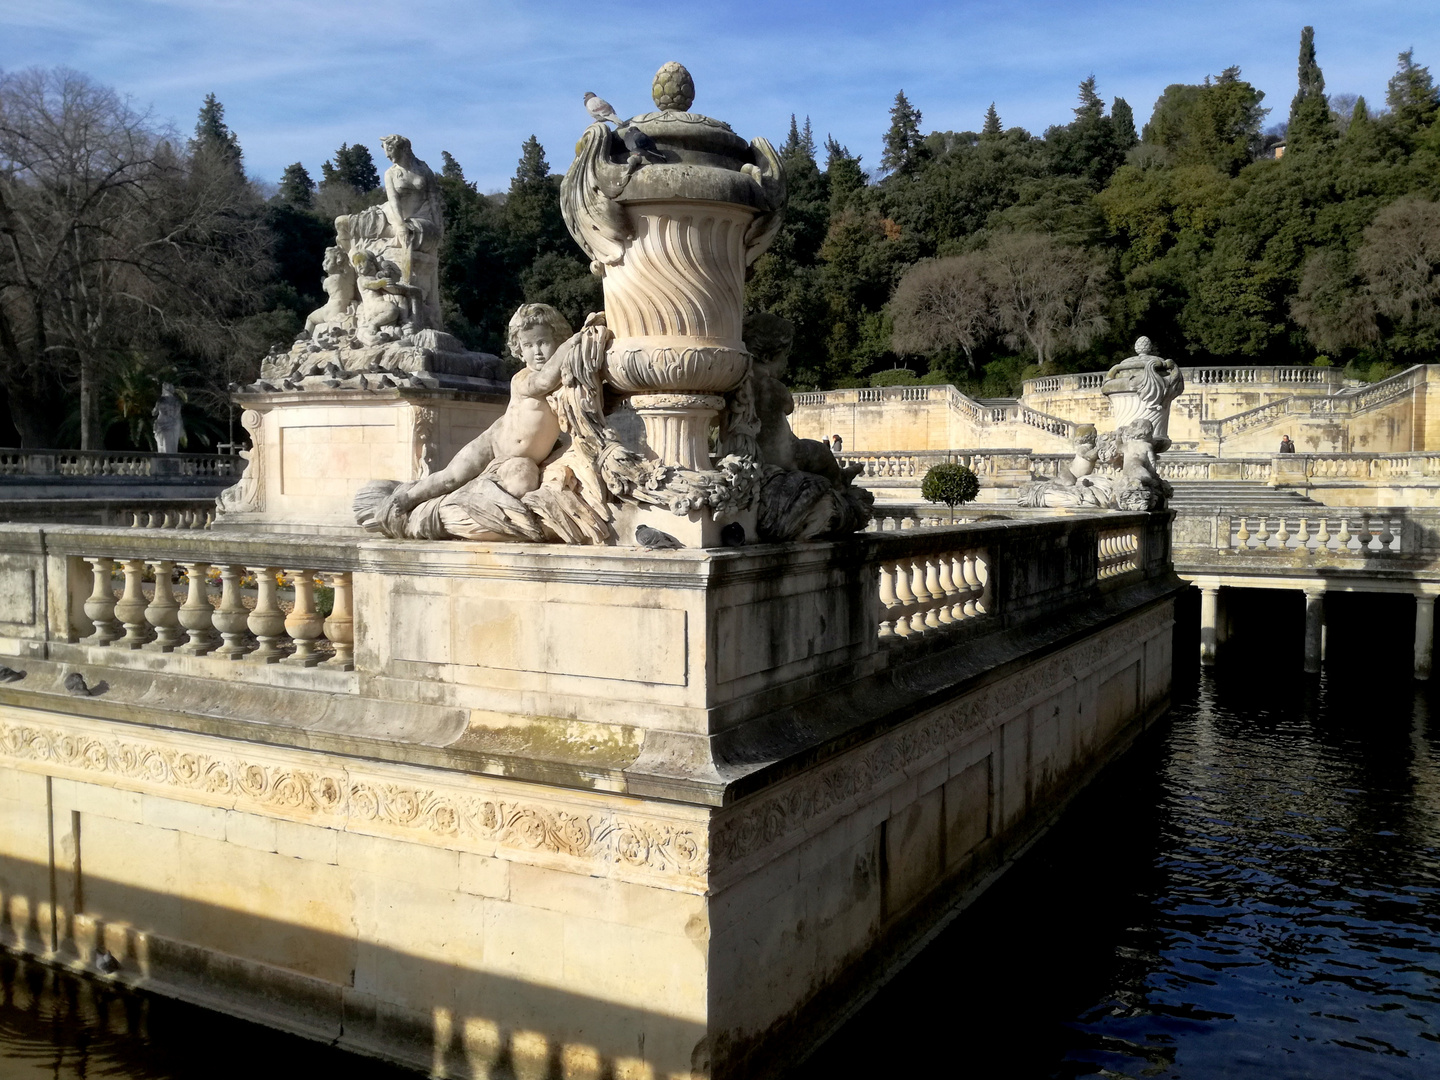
x=655, y=540
x=600, y=109
x=637, y=142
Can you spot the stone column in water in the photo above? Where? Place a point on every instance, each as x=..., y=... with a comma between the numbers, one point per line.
x=1209, y=617
x=1314, y=629
x=1424, y=635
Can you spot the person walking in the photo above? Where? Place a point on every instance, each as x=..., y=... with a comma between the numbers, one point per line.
x=1286, y=446
x=835, y=444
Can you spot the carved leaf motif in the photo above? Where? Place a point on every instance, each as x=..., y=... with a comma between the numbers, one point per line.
x=587, y=199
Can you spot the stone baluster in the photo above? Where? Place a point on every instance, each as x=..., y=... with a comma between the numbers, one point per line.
x=304, y=623
x=972, y=582
x=100, y=604
x=887, y=600
x=1282, y=534
x=946, y=582
x=932, y=586
x=163, y=613
x=1343, y=536
x=962, y=587
x=231, y=618
x=905, y=597
x=1242, y=536
x=267, y=621
x=1386, y=537
x=1262, y=535
x=920, y=593
x=1303, y=536
x=1322, y=537
x=986, y=603
x=131, y=608
x=340, y=625
x=196, y=615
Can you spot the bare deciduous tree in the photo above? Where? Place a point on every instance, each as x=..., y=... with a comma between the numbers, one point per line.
x=943, y=304
x=1049, y=296
x=1400, y=260
x=112, y=242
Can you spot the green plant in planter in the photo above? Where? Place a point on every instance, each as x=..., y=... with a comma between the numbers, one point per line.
x=951, y=484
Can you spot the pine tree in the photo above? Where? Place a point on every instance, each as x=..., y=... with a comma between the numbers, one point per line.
x=1091, y=106
x=792, y=140
x=1122, y=120
x=807, y=140
x=903, y=142
x=213, y=139
x=991, y=127
x=353, y=166
x=1411, y=94
x=532, y=208
x=1310, y=121
x=450, y=168
x=296, y=187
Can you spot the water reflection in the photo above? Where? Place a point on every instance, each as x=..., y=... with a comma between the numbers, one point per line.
x=64, y=1028
x=1254, y=892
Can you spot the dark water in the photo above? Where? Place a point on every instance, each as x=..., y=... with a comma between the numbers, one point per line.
x=1254, y=891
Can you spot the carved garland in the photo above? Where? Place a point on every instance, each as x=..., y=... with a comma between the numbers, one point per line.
x=770, y=819
x=644, y=848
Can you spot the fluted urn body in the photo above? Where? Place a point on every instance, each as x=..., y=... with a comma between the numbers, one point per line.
x=671, y=227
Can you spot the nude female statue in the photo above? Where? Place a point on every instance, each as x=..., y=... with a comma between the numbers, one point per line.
x=411, y=219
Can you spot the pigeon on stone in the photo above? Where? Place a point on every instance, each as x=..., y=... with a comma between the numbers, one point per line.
x=75, y=684
x=655, y=540
x=637, y=142
x=733, y=535
x=600, y=109
x=9, y=674
x=105, y=961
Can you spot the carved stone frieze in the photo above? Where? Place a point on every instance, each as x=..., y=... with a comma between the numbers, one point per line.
x=579, y=834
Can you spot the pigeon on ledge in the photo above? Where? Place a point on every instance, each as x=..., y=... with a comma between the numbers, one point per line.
x=9, y=674
x=75, y=683
x=600, y=109
x=655, y=540
x=105, y=961
x=733, y=535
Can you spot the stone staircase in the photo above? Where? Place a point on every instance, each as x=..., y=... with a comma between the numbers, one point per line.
x=1249, y=496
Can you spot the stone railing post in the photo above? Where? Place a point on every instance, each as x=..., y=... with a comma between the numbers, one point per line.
x=196, y=615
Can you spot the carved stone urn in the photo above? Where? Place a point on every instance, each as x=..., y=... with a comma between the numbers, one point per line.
x=1142, y=388
x=672, y=207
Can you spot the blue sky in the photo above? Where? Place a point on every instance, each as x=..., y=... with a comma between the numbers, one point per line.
x=298, y=78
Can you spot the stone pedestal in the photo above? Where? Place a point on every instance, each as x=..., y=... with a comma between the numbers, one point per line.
x=1314, y=631
x=311, y=450
x=1424, y=635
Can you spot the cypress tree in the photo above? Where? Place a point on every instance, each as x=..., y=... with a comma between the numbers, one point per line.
x=450, y=168
x=1310, y=121
x=214, y=139
x=353, y=166
x=1122, y=121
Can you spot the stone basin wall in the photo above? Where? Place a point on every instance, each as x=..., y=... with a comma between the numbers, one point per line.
x=545, y=811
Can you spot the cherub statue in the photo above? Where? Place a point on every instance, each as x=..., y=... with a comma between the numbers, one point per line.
x=524, y=477
x=340, y=292
x=387, y=304
x=169, y=426
x=1145, y=488
x=1086, y=454
x=529, y=428
x=1074, y=483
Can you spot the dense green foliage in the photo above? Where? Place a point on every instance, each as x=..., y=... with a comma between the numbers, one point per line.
x=976, y=257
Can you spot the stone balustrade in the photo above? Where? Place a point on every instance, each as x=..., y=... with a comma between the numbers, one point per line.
x=913, y=466
x=931, y=591
x=99, y=463
x=1118, y=552
x=1363, y=535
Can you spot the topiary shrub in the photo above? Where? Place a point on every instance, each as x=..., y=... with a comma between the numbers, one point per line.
x=951, y=484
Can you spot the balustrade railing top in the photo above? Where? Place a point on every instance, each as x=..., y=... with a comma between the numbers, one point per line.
x=97, y=463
